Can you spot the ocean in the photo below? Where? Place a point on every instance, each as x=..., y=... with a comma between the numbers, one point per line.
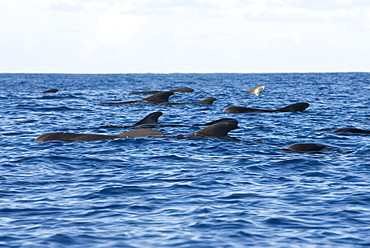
x=170, y=192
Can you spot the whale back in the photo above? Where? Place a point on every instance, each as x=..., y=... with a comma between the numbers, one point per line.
x=51, y=91
x=48, y=137
x=152, y=118
x=295, y=107
x=139, y=133
x=306, y=147
x=220, y=129
x=351, y=130
x=72, y=137
x=151, y=92
x=246, y=110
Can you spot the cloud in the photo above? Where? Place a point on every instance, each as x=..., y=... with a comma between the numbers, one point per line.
x=293, y=36
x=115, y=27
x=69, y=6
x=178, y=35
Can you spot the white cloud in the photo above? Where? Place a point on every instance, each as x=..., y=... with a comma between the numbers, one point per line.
x=219, y=3
x=114, y=27
x=293, y=36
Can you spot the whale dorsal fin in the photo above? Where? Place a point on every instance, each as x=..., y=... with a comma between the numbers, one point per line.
x=159, y=97
x=220, y=129
x=151, y=118
x=207, y=101
x=256, y=90
x=218, y=121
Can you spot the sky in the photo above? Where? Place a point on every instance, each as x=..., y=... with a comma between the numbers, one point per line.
x=166, y=36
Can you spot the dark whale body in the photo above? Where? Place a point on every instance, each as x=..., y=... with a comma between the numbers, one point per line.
x=207, y=101
x=306, y=147
x=180, y=90
x=92, y=137
x=351, y=130
x=155, y=98
x=218, y=121
x=295, y=107
x=51, y=91
x=219, y=130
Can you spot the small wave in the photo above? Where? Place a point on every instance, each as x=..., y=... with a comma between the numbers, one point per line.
x=242, y=196
x=62, y=239
x=56, y=109
x=114, y=191
x=285, y=222
x=316, y=174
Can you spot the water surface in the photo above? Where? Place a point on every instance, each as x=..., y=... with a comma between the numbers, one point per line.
x=163, y=192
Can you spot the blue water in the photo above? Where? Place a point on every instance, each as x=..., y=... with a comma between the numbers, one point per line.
x=166, y=192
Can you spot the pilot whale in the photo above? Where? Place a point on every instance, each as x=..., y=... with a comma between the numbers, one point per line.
x=256, y=90
x=312, y=147
x=219, y=130
x=305, y=147
x=296, y=107
x=92, y=137
x=51, y=91
x=180, y=90
x=351, y=130
x=155, y=98
x=308, y=147
x=207, y=101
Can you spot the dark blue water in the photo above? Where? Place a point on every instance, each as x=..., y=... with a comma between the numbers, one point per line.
x=163, y=192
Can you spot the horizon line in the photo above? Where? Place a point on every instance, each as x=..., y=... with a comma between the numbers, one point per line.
x=187, y=72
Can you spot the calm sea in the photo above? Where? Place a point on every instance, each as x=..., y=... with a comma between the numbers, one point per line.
x=167, y=192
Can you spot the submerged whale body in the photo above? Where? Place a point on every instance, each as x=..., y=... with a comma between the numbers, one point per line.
x=295, y=107
x=256, y=90
x=91, y=137
x=351, y=130
x=305, y=147
x=155, y=98
x=180, y=90
x=207, y=101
